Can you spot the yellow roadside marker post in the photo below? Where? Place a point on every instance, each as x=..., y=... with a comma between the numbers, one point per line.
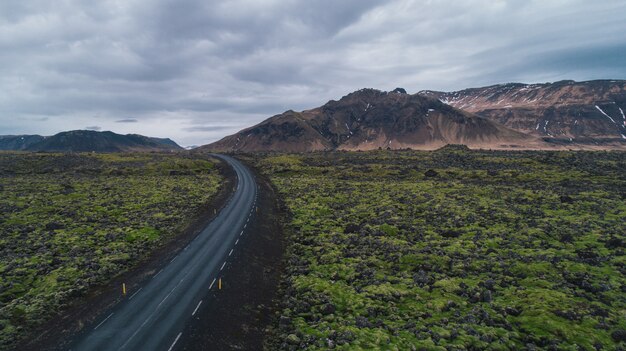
x=219, y=284
x=123, y=288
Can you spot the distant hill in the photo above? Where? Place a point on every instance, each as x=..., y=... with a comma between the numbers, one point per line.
x=87, y=141
x=370, y=119
x=18, y=142
x=587, y=112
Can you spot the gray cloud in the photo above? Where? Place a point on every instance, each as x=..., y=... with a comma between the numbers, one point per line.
x=195, y=70
x=206, y=128
x=96, y=128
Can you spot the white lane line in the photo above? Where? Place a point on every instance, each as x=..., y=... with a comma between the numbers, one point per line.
x=133, y=295
x=152, y=314
x=231, y=252
x=168, y=295
x=175, y=341
x=245, y=225
x=240, y=234
x=175, y=257
x=101, y=323
x=213, y=282
x=237, y=242
x=196, y=310
x=158, y=273
x=223, y=264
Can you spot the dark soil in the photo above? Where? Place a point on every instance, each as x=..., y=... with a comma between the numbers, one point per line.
x=238, y=316
x=57, y=332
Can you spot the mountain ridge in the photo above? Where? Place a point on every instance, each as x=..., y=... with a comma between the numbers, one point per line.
x=370, y=119
x=18, y=142
x=588, y=110
x=86, y=141
x=544, y=116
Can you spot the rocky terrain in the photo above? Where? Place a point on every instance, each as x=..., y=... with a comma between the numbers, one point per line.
x=589, y=112
x=86, y=141
x=371, y=119
x=452, y=250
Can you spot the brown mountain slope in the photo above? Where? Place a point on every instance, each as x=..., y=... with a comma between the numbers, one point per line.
x=371, y=119
x=285, y=132
x=587, y=112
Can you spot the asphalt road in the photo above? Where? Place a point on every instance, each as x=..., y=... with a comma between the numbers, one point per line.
x=153, y=317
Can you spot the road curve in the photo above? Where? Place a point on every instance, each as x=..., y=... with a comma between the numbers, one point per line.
x=152, y=317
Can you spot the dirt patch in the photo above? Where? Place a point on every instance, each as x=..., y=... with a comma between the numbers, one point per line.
x=56, y=333
x=238, y=316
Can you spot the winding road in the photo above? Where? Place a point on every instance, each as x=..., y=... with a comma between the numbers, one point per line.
x=153, y=317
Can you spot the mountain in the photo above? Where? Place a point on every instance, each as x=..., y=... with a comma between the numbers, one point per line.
x=370, y=119
x=580, y=112
x=18, y=142
x=165, y=142
x=87, y=141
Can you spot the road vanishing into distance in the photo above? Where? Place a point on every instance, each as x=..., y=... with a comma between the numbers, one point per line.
x=153, y=317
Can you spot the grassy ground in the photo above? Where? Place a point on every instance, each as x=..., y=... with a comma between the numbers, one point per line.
x=69, y=222
x=453, y=250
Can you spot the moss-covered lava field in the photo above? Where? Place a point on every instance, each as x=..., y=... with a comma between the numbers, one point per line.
x=452, y=250
x=386, y=250
x=71, y=222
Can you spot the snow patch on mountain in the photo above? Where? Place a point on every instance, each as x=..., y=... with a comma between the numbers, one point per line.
x=604, y=113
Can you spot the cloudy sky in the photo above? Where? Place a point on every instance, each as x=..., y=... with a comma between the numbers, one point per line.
x=196, y=70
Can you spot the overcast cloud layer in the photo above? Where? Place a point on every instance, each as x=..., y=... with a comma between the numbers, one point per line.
x=197, y=70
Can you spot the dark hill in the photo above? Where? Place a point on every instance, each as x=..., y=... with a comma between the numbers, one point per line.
x=92, y=141
x=18, y=142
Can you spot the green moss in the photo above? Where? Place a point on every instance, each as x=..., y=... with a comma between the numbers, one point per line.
x=501, y=251
x=68, y=222
x=143, y=234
